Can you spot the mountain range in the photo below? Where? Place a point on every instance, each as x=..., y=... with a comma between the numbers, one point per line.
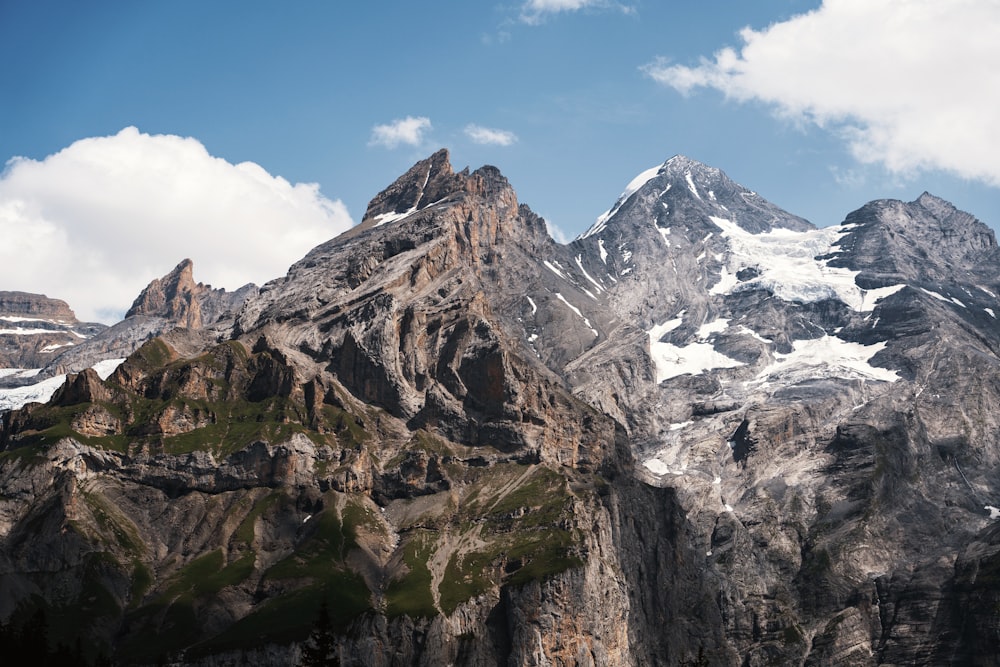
x=705, y=431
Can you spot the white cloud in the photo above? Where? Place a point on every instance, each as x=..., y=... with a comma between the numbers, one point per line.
x=910, y=84
x=556, y=232
x=486, y=135
x=534, y=12
x=409, y=130
x=94, y=223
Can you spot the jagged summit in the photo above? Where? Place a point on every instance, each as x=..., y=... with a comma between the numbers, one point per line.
x=927, y=239
x=687, y=187
x=704, y=428
x=423, y=184
x=173, y=296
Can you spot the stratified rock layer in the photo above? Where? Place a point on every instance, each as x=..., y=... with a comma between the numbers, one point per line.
x=703, y=431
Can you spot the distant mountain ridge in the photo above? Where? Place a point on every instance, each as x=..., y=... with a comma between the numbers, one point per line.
x=33, y=327
x=704, y=429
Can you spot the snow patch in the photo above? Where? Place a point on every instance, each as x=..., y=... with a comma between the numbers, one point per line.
x=989, y=311
x=53, y=348
x=789, y=266
x=600, y=248
x=105, y=368
x=664, y=234
x=41, y=392
x=386, y=218
x=709, y=328
x=827, y=357
x=534, y=308
x=994, y=511
x=656, y=466
x=658, y=331
x=694, y=359
x=987, y=291
x=939, y=297
x=677, y=427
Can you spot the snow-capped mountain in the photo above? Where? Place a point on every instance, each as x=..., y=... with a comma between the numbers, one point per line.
x=704, y=427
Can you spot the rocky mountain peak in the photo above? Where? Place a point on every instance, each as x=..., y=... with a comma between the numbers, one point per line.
x=174, y=296
x=685, y=188
x=426, y=182
x=926, y=239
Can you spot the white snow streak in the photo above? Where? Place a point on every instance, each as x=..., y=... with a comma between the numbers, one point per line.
x=664, y=233
x=634, y=186
x=15, y=319
x=600, y=288
x=579, y=314
x=554, y=270
x=386, y=218
x=941, y=297
x=29, y=332
x=604, y=253
x=690, y=181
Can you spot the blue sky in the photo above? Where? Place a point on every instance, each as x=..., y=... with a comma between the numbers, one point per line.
x=819, y=109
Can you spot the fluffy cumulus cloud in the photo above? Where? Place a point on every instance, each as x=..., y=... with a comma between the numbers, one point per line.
x=409, y=131
x=910, y=84
x=94, y=223
x=489, y=136
x=534, y=12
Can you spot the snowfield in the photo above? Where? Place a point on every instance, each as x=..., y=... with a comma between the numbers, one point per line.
x=788, y=266
x=41, y=392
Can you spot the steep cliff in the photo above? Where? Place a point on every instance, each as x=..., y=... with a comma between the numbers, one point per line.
x=704, y=428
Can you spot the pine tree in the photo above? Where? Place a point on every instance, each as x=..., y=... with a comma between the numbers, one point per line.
x=320, y=649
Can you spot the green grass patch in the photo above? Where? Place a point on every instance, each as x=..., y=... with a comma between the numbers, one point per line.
x=246, y=531
x=349, y=431
x=411, y=594
x=290, y=617
x=322, y=552
x=142, y=580
x=113, y=524
x=523, y=531
x=465, y=577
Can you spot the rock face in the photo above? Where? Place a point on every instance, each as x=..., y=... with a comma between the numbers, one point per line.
x=703, y=431
x=172, y=301
x=34, y=328
x=176, y=297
